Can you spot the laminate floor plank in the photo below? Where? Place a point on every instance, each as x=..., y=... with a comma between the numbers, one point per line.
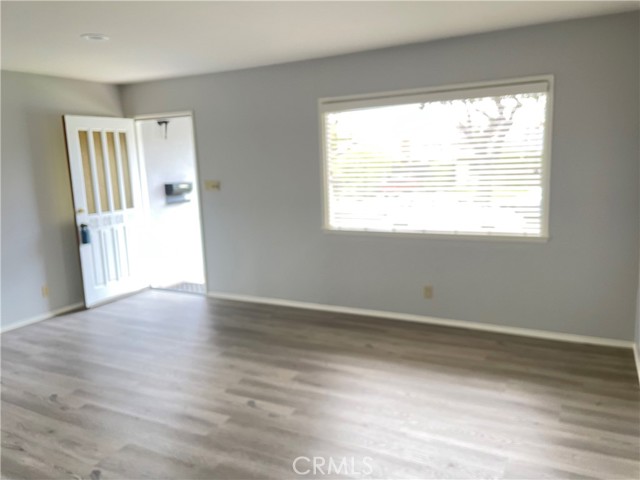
x=174, y=386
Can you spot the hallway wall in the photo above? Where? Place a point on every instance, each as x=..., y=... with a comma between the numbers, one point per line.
x=175, y=245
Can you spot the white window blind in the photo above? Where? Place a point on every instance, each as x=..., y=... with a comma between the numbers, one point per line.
x=458, y=161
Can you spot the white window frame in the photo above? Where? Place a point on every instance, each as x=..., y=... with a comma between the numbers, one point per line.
x=447, y=92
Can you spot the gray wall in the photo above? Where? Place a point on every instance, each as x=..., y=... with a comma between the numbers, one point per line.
x=257, y=132
x=38, y=234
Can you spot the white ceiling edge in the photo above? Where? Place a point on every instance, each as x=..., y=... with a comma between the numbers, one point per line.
x=155, y=40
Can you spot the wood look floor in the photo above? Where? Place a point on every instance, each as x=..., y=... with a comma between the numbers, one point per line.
x=167, y=385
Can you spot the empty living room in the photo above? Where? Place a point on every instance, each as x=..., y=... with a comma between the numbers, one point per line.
x=320, y=239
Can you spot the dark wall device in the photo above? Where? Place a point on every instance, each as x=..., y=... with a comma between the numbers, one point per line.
x=178, y=192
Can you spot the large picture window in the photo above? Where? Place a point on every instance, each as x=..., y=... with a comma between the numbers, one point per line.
x=463, y=161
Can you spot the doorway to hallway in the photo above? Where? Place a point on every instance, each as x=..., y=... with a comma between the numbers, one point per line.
x=174, y=252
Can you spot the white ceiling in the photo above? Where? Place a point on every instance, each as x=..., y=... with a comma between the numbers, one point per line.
x=154, y=39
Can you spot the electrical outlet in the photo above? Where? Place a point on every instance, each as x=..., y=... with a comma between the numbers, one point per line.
x=45, y=291
x=427, y=291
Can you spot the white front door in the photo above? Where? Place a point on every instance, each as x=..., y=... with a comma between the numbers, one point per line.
x=105, y=179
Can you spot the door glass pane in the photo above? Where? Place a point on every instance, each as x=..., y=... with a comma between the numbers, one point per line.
x=126, y=174
x=113, y=169
x=86, y=170
x=102, y=176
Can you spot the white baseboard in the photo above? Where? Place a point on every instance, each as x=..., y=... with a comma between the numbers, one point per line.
x=40, y=318
x=487, y=327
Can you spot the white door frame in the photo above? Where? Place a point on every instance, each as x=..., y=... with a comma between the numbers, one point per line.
x=143, y=175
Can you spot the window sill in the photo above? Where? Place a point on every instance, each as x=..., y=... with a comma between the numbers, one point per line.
x=440, y=236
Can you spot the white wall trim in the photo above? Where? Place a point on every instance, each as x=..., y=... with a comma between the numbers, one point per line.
x=40, y=318
x=487, y=327
x=636, y=355
x=158, y=116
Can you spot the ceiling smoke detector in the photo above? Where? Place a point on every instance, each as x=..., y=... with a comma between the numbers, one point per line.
x=95, y=37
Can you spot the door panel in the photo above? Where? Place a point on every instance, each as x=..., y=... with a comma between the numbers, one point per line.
x=107, y=197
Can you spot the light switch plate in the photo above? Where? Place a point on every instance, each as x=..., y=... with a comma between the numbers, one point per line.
x=212, y=185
